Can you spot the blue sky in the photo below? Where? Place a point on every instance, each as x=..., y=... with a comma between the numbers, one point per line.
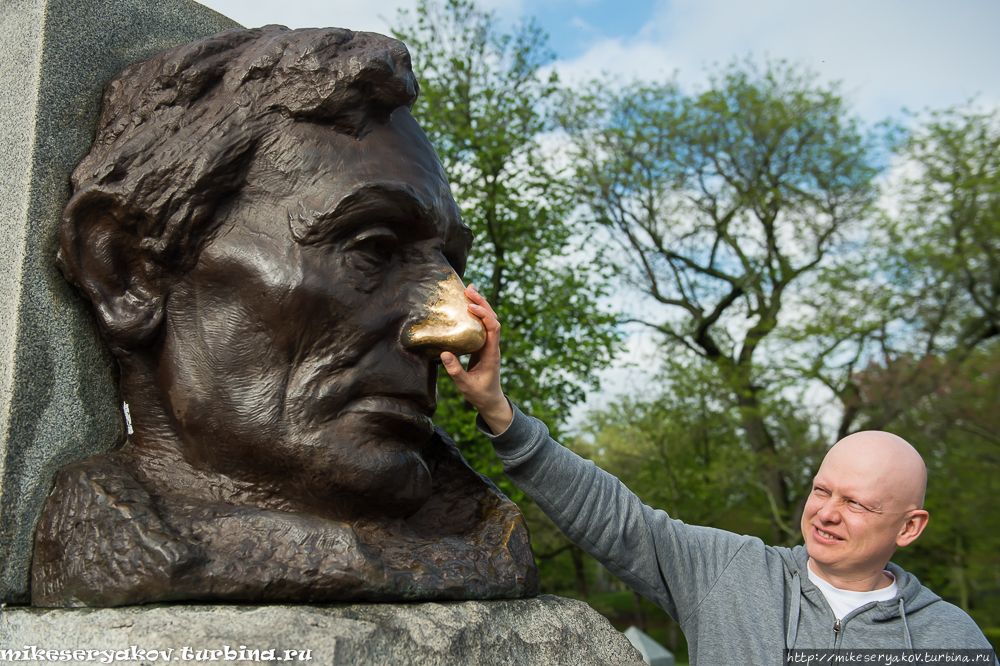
x=574, y=26
x=887, y=54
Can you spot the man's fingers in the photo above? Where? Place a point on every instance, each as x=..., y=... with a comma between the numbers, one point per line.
x=451, y=364
x=487, y=315
x=473, y=294
x=480, y=383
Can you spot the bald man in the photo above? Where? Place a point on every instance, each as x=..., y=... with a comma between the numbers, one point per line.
x=738, y=600
x=866, y=501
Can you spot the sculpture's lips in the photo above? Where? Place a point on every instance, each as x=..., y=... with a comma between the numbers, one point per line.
x=399, y=412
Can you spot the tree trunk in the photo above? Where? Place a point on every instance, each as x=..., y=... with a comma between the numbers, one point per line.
x=581, y=578
x=959, y=575
x=640, y=615
x=769, y=471
x=672, y=635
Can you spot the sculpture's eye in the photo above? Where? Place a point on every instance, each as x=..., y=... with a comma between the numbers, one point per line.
x=372, y=249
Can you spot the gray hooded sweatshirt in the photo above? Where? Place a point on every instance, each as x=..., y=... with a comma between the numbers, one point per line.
x=737, y=600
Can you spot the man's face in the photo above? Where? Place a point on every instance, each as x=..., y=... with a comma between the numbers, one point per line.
x=282, y=363
x=852, y=520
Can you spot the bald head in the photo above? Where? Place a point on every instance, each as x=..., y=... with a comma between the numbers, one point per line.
x=866, y=501
x=884, y=461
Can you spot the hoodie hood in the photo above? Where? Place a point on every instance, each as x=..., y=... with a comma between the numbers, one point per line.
x=910, y=598
x=913, y=595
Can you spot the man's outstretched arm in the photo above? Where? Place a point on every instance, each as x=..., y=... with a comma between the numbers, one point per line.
x=672, y=564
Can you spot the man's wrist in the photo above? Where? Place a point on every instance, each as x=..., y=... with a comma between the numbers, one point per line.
x=498, y=415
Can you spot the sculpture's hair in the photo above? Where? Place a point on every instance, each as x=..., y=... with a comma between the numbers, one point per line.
x=177, y=132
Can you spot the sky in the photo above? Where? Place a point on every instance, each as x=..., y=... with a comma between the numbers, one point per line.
x=887, y=55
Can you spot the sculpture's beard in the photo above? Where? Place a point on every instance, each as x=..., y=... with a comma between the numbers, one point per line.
x=362, y=454
x=367, y=464
x=356, y=465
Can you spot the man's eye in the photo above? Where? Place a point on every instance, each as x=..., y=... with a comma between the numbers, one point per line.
x=820, y=491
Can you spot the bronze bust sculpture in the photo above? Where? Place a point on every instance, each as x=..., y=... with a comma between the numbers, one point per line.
x=273, y=254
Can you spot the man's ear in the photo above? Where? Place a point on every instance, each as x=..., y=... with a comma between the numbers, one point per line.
x=101, y=253
x=915, y=523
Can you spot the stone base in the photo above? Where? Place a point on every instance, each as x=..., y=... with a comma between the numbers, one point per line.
x=542, y=630
x=59, y=398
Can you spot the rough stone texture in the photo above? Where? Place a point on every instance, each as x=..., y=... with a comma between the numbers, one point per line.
x=543, y=630
x=58, y=395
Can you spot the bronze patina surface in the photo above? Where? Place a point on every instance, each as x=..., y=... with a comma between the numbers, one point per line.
x=274, y=256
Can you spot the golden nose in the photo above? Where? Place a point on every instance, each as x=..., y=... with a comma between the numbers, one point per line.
x=441, y=320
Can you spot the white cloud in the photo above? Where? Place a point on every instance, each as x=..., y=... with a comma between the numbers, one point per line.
x=887, y=54
x=362, y=16
x=620, y=60
x=580, y=24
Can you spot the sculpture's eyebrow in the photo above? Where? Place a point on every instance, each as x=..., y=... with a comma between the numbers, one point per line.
x=395, y=204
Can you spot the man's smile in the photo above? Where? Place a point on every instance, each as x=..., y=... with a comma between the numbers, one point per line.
x=826, y=536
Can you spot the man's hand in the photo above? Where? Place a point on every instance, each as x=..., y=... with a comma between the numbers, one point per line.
x=480, y=384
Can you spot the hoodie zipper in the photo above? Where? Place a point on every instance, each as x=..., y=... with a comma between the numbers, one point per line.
x=837, y=626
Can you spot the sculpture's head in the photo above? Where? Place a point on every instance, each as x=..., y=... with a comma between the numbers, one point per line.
x=271, y=246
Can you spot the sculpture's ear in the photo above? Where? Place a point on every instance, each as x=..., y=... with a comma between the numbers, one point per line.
x=101, y=253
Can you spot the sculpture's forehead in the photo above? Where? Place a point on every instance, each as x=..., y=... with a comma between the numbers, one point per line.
x=331, y=179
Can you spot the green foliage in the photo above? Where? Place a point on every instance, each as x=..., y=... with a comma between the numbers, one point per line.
x=898, y=321
x=724, y=204
x=722, y=199
x=947, y=239
x=993, y=636
x=923, y=294
x=956, y=428
x=679, y=450
x=483, y=104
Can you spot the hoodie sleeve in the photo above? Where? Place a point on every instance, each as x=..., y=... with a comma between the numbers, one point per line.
x=670, y=563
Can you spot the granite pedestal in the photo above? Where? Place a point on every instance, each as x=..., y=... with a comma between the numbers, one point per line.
x=58, y=394
x=538, y=631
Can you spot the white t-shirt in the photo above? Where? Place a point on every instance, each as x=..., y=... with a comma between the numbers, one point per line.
x=844, y=601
